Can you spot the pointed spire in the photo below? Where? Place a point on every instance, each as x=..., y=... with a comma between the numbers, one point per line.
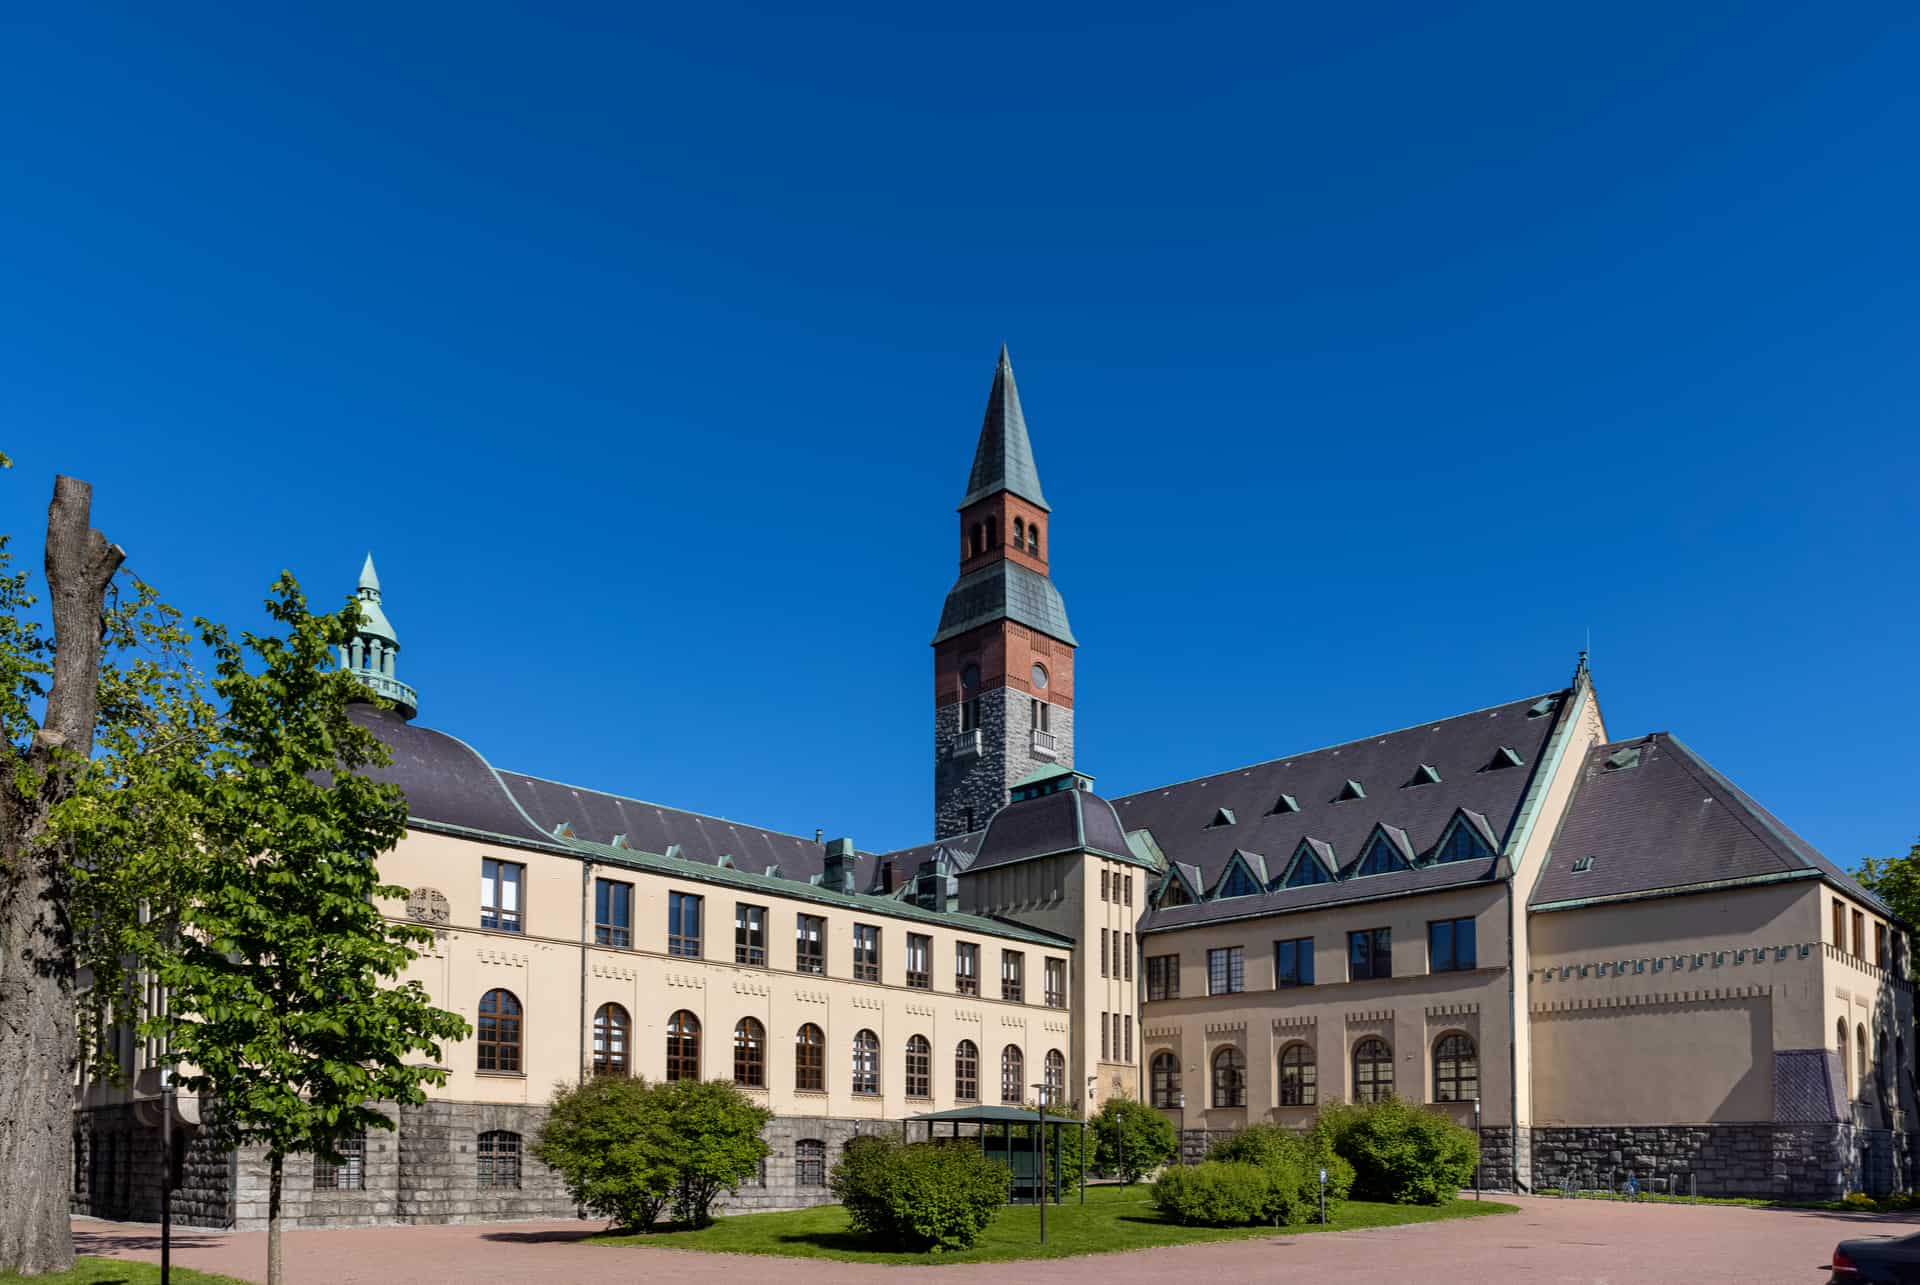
x=369, y=578
x=1581, y=674
x=373, y=653
x=1003, y=461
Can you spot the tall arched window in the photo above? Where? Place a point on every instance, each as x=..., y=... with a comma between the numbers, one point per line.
x=1456, y=1069
x=611, y=1030
x=919, y=1067
x=1019, y=534
x=1012, y=1071
x=1229, y=1078
x=1033, y=539
x=1840, y=1044
x=810, y=1059
x=683, y=1046
x=966, y=1072
x=1299, y=1076
x=1860, y=1058
x=1164, y=1080
x=750, y=1054
x=499, y=1031
x=1372, y=1070
x=1056, y=1078
x=866, y=1062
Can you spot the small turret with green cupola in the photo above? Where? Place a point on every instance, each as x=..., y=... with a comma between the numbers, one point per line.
x=372, y=654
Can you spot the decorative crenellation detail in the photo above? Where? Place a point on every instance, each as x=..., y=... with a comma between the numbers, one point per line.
x=1226, y=1028
x=1017, y=1023
x=866, y=1001
x=1712, y=995
x=1697, y=961
x=614, y=973
x=1294, y=1020
x=967, y=1015
x=1159, y=1032
x=810, y=997
x=507, y=957
x=1367, y=1017
x=692, y=981
x=1057, y=1028
x=1453, y=1010
x=749, y=986
x=919, y=1010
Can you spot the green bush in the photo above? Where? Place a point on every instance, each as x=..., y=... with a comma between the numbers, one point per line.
x=1214, y=1193
x=626, y=1148
x=928, y=1196
x=1400, y=1153
x=1293, y=1162
x=1130, y=1139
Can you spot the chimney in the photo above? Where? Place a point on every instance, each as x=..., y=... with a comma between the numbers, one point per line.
x=838, y=872
x=930, y=887
x=818, y=834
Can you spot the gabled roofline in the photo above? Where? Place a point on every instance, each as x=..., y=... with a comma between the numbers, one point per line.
x=1685, y=890
x=1491, y=879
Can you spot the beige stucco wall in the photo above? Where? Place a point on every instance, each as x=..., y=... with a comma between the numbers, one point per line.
x=1411, y=1010
x=543, y=968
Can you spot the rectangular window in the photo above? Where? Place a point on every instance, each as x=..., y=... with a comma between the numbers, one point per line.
x=1127, y=955
x=1116, y=1035
x=966, y=968
x=970, y=714
x=1226, y=971
x=810, y=1163
x=1369, y=954
x=1163, y=977
x=749, y=934
x=1103, y=1037
x=1859, y=935
x=1880, y=944
x=1129, y=1037
x=1839, y=926
x=1013, y=979
x=683, y=924
x=500, y=900
x=350, y=1174
x=920, y=963
x=1103, y=883
x=1129, y=890
x=1103, y=954
x=1056, y=982
x=1293, y=963
x=612, y=913
x=866, y=953
x=810, y=944
x=1450, y=945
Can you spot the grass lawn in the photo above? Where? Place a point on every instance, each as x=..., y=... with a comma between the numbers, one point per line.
x=111, y=1271
x=1114, y=1218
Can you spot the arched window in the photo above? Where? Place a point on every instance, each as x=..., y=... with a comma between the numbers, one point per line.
x=1860, y=1058
x=1840, y=1043
x=611, y=1030
x=1229, y=1078
x=1299, y=1077
x=1056, y=1078
x=499, y=1158
x=993, y=533
x=683, y=1046
x=919, y=1067
x=866, y=1062
x=809, y=1059
x=499, y=1030
x=1019, y=534
x=1033, y=539
x=1012, y=1071
x=810, y=1162
x=966, y=1072
x=750, y=1054
x=1456, y=1069
x=1164, y=1073
x=1372, y=1070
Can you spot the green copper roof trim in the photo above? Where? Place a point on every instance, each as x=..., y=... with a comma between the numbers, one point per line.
x=1544, y=772
x=1683, y=890
x=1147, y=848
x=1047, y=773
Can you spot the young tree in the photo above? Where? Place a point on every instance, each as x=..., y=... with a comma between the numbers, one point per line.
x=716, y=1135
x=1896, y=881
x=278, y=964
x=45, y=757
x=614, y=1146
x=1130, y=1139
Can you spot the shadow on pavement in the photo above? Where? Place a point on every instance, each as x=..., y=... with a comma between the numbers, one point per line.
x=102, y=1243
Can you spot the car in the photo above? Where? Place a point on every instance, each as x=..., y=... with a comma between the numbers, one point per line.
x=1876, y=1260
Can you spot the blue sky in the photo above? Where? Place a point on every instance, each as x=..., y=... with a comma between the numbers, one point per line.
x=1373, y=358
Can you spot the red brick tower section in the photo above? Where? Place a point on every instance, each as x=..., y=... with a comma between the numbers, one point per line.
x=1003, y=655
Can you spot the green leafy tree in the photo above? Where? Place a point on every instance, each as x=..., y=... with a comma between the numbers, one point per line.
x=280, y=968
x=716, y=1139
x=927, y=1196
x=614, y=1146
x=1896, y=881
x=1130, y=1139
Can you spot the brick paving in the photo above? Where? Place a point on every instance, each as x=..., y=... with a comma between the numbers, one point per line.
x=1564, y=1242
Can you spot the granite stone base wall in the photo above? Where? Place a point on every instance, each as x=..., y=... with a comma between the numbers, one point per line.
x=1776, y=1161
x=119, y=1165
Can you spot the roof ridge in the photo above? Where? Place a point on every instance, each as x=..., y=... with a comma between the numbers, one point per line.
x=1339, y=745
x=649, y=803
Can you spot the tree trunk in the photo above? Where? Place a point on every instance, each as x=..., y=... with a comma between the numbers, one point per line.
x=38, y=1046
x=276, y=1169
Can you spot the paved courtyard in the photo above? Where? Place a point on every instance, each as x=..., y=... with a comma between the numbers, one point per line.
x=1584, y=1242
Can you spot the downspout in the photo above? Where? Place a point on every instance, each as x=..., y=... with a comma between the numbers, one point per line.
x=586, y=901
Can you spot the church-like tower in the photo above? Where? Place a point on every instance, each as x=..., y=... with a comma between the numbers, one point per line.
x=1003, y=655
x=374, y=650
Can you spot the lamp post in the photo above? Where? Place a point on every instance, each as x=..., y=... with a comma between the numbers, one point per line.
x=1479, y=1158
x=1180, y=1147
x=1040, y=1177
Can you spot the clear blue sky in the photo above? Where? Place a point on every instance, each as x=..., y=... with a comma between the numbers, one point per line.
x=1372, y=356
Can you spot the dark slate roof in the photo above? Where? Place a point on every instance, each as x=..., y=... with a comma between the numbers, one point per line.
x=1662, y=819
x=1003, y=460
x=448, y=783
x=959, y=850
x=1808, y=1087
x=1004, y=590
x=1460, y=749
x=1064, y=821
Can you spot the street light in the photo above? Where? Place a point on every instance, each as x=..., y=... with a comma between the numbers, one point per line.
x=1480, y=1158
x=1040, y=1113
x=154, y=1092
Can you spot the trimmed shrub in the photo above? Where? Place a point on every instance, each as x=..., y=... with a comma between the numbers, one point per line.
x=1214, y=1193
x=928, y=1196
x=1130, y=1139
x=1293, y=1162
x=1399, y=1152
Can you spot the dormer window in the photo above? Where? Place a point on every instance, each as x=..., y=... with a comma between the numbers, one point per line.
x=1175, y=894
x=1463, y=842
x=1383, y=856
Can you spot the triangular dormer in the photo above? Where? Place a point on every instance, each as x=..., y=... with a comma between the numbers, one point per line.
x=1468, y=837
x=1245, y=875
x=1425, y=774
x=1350, y=791
x=1221, y=817
x=1312, y=864
x=1387, y=851
x=1178, y=888
x=1504, y=757
x=1284, y=804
